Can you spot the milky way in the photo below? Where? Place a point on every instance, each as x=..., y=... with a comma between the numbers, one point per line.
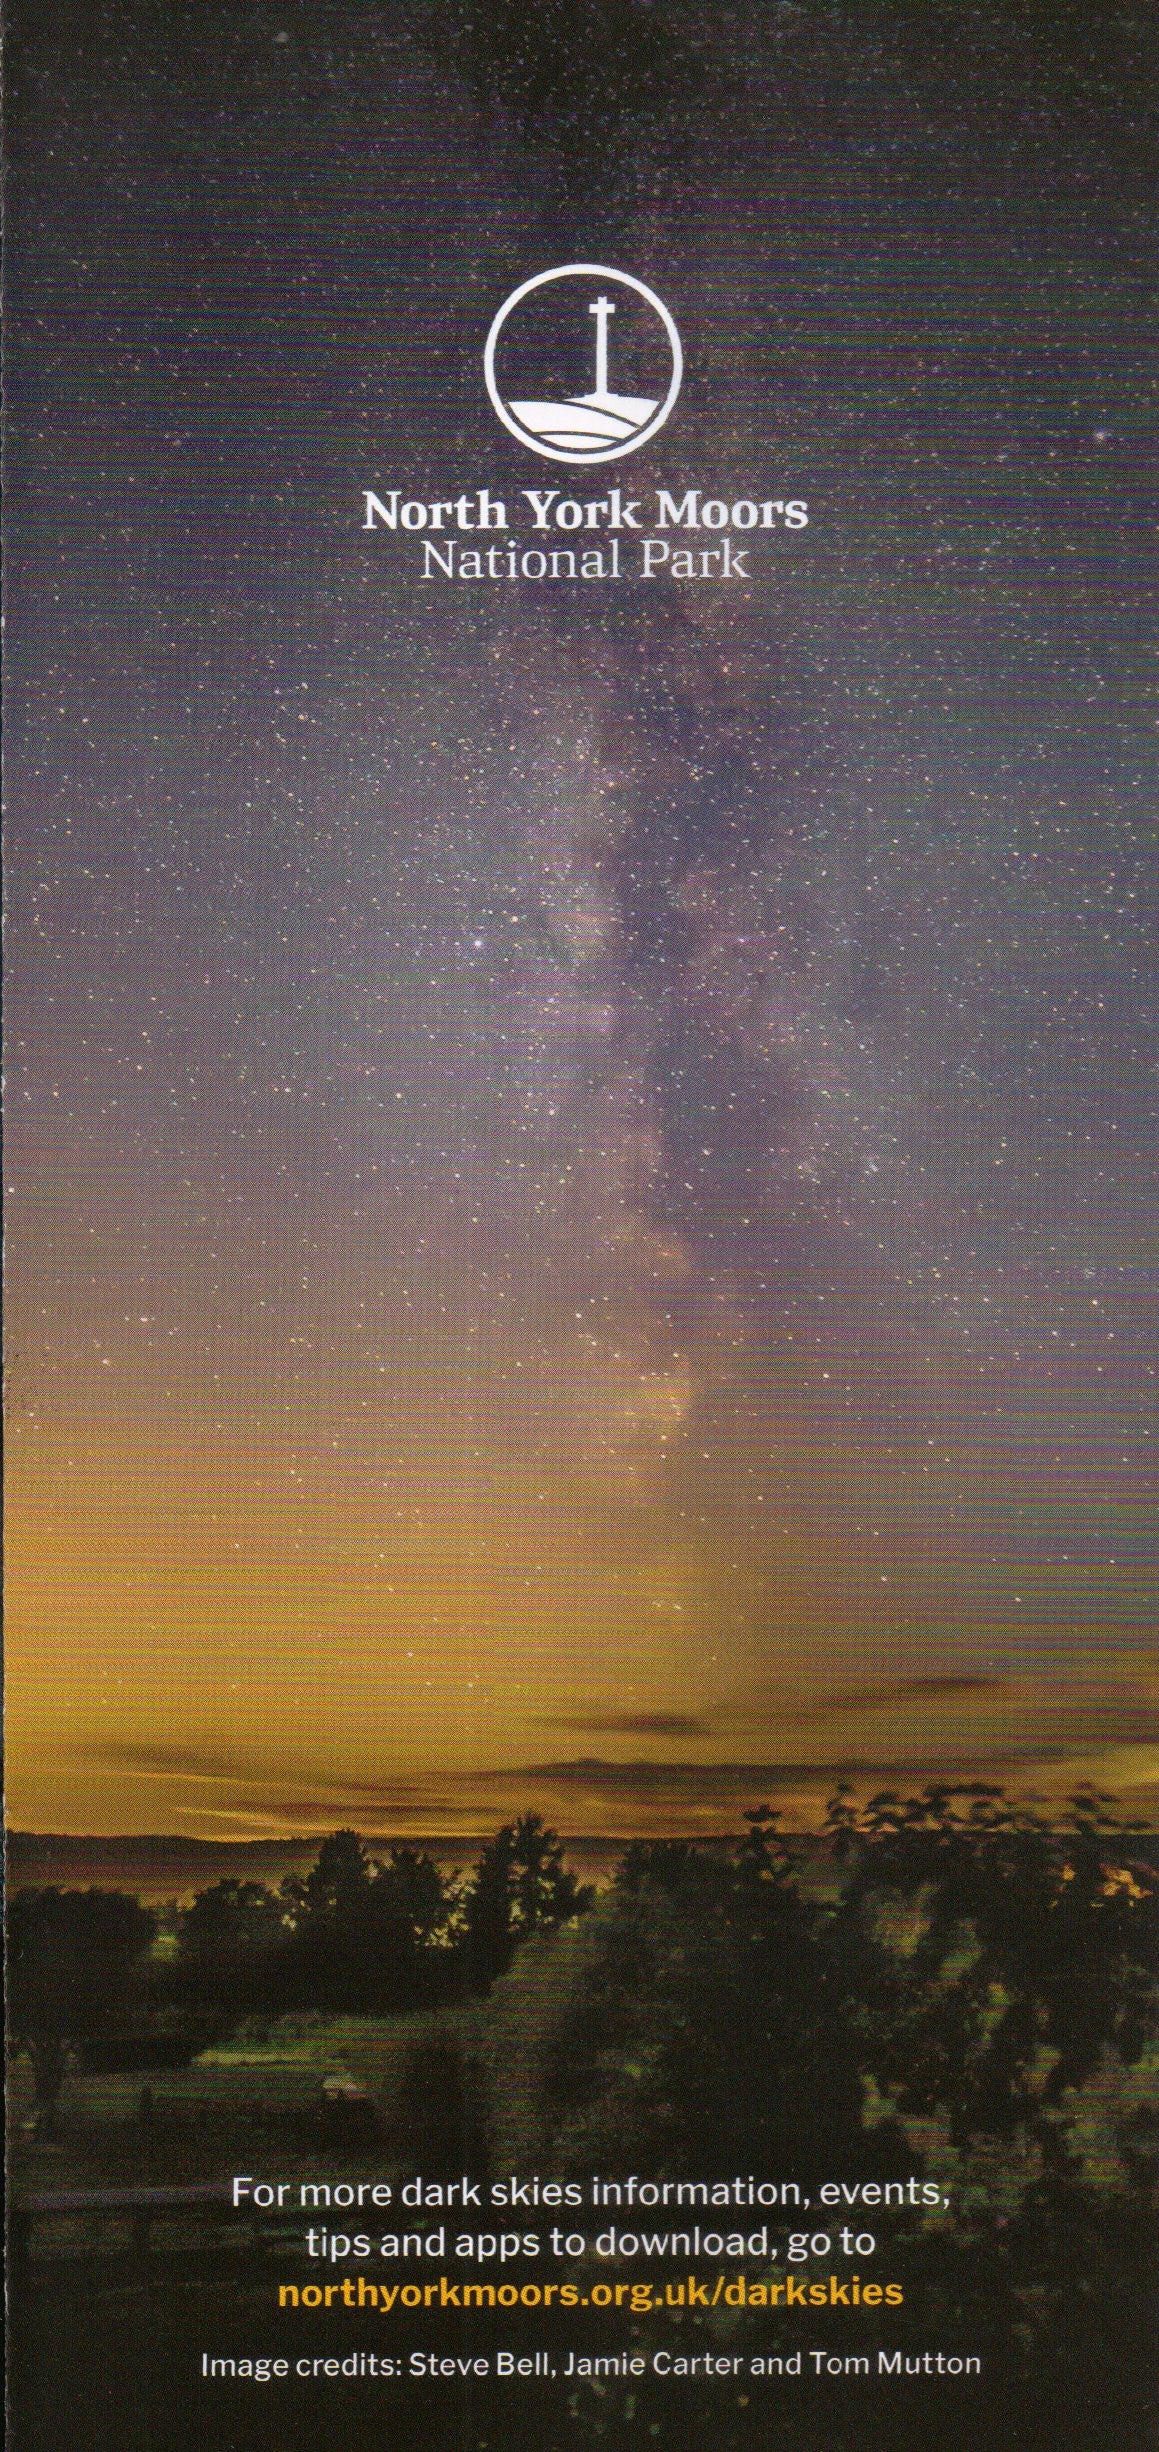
x=581, y=1160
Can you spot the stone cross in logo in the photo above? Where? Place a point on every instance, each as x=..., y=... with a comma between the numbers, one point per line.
x=558, y=422
x=601, y=310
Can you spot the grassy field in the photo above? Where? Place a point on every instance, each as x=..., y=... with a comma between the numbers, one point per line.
x=281, y=2096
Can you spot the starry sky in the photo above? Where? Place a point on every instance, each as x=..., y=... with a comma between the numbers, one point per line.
x=580, y=1159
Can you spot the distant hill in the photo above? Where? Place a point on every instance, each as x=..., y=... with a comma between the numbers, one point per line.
x=161, y=1867
x=154, y=1867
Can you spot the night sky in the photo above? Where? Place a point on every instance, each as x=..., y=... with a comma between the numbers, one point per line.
x=580, y=1158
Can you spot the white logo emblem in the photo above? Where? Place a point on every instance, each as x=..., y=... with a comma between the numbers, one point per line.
x=545, y=337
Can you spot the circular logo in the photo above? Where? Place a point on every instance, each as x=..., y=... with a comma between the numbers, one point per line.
x=583, y=363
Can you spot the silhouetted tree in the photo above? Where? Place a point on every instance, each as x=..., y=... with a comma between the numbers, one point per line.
x=521, y=1885
x=1030, y=1951
x=340, y=1882
x=228, y=1949
x=75, y=1966
x=365, y=1935
x=733, y=2045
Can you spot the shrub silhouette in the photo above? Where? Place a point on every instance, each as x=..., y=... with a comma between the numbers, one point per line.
x=75, y=1968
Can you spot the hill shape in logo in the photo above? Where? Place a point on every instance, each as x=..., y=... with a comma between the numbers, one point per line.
x=595, y=417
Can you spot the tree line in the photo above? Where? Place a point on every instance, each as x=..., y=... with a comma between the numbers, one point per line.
x=961, y=1951
x=361, y=1934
